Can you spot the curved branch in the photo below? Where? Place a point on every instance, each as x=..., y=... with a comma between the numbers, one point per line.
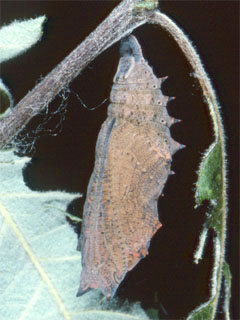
x=194, y=59
x=214, y=109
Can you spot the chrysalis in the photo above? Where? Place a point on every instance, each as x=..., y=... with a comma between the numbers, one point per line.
x=133, y=159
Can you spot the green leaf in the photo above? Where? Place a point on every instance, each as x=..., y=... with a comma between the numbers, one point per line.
x=19, y=36
x=210, y=185
x=6, y=99
x=39, y=265
x=203, y=313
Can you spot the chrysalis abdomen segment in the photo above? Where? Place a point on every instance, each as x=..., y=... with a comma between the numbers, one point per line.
x=133, y=157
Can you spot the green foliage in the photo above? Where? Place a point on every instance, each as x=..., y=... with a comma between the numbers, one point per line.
x=205, y=313
x=210, y=185
x=210, y=176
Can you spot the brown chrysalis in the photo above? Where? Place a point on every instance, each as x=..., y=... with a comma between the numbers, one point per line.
x=133, y=159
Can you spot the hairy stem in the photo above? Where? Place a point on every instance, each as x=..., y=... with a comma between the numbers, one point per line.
x=214, y=109
x=120, y=22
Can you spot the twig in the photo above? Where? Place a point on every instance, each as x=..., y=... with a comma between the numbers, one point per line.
x=194, y=59
x=214, y=109
x=122, y=21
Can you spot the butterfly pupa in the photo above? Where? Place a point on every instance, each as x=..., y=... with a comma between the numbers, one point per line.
x=133, y=159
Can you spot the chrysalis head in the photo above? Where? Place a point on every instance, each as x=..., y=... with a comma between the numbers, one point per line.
x=132, y=65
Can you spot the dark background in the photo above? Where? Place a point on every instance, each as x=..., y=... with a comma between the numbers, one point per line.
x=63, y=151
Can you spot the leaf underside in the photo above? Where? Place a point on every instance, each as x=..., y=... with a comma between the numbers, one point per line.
x=39, y=264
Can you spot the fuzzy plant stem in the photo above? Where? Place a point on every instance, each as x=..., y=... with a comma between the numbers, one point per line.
x=119, y=23
x=209, y=94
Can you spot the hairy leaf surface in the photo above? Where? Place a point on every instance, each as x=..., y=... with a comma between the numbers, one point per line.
x=39, y=264
x=19, y=36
